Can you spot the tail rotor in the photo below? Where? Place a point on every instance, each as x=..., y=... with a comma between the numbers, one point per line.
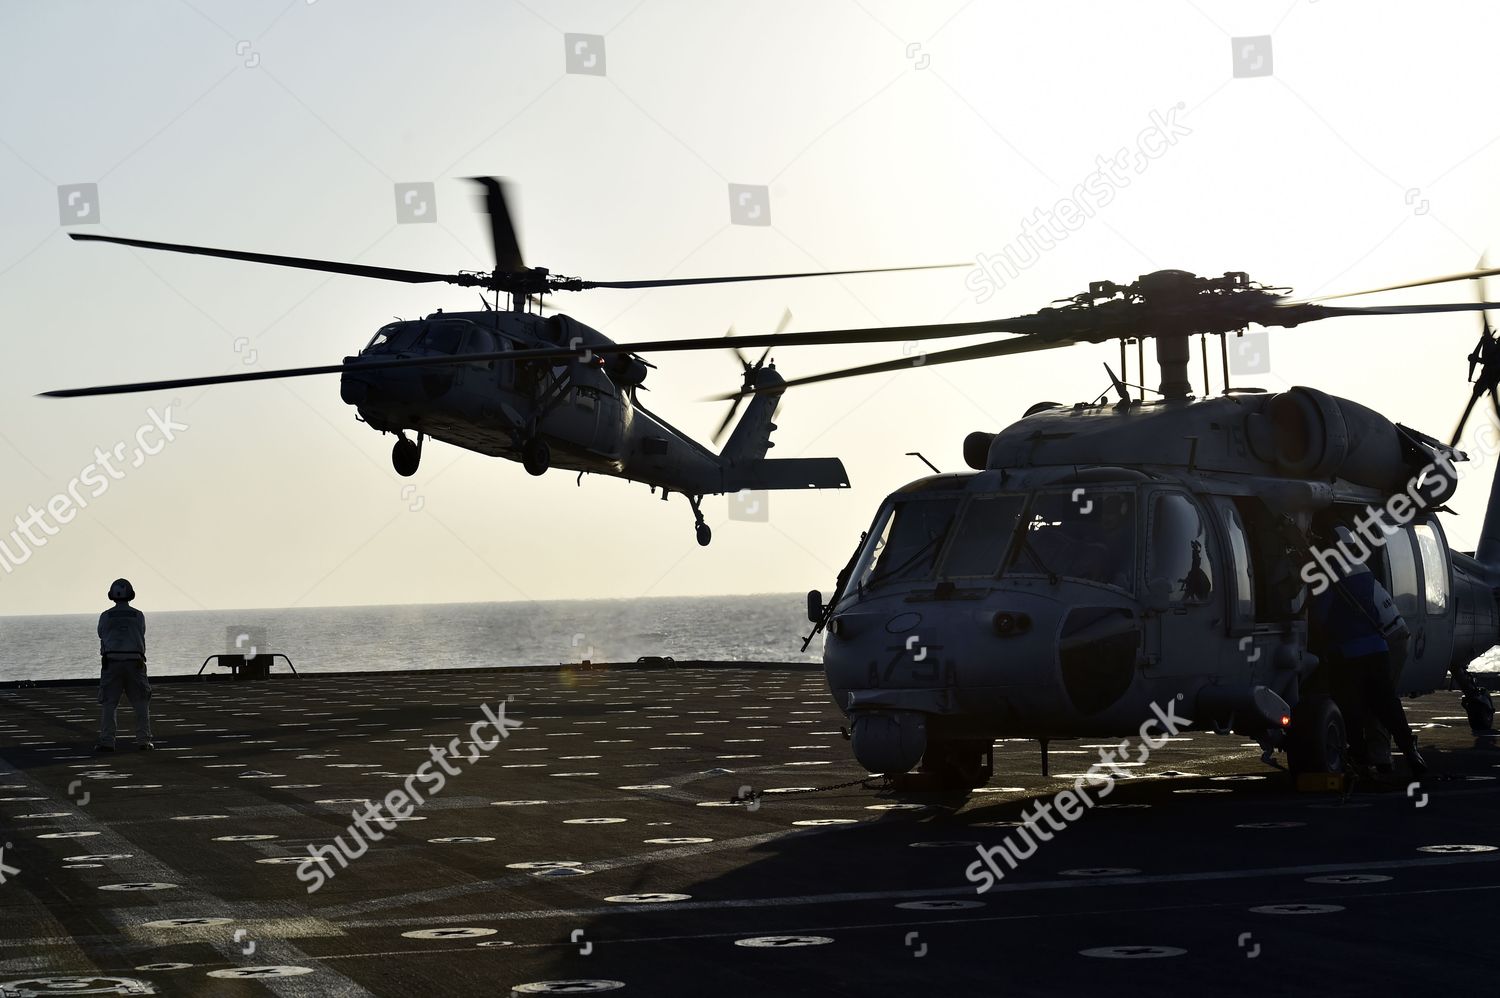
x=1484, y=367
x=749, y=372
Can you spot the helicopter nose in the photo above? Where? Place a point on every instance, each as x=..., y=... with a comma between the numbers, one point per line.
x=908, y=673
x=353, y=388
x=1008, y=642
x=360, y=387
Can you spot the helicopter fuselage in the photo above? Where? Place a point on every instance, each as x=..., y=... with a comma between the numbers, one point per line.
x=1083, y=576
x=585, y=409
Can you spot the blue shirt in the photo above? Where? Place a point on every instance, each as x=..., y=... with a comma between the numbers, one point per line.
x=1350, y=622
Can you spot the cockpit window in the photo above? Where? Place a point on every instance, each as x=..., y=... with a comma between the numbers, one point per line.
x=394, y=337
x=916, y=536
x=1177, y=558
x=444, y=337
x=1082, y=533
x=904, y=543
x=1071, y=533
x=983, y=535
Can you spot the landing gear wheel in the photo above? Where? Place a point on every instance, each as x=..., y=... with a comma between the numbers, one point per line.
x=958, y=764
x=405, y=457
x=1317, y=738
x=700, y=528
x=1481, y=710
x=536, y=457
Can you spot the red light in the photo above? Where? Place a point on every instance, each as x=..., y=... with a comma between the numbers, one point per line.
x=1286, y=719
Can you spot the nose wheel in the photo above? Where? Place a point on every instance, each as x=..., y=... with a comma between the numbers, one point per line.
x=952, y=765
x=406, y=456
x=1317, y=739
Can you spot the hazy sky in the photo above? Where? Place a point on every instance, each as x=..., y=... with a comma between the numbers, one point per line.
x=887, y=133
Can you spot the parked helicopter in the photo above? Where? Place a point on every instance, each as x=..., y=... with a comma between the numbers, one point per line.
x=1110, y=555
x=547, y=391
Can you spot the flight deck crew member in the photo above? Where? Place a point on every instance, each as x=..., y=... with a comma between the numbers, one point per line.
x=1356, y=620
x=122, y=667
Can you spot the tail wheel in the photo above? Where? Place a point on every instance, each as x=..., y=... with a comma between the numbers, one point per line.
x=1481, y=710
x=1317, y=738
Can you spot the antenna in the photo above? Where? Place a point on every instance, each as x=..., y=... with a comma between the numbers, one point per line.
x=918, y=455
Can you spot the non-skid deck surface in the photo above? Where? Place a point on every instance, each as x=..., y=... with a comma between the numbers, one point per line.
x=169, y=870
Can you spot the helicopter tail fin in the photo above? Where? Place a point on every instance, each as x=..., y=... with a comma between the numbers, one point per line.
x=744, y=455
x=1487, y=553
x=752, y=435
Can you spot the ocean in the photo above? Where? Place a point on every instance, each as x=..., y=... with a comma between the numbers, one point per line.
x=765, y=627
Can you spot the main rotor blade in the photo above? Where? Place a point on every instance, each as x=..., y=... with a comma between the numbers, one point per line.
x=830, y=337
x=301, y=263
x=1314, y=312
x=502, y=231
x=287, y=372
x=545, y=354
x=1468, y=275
x=979, y=351
x=679, y=282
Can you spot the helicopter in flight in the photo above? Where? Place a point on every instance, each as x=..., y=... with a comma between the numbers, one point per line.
x=545, y=390
x=1111, y=555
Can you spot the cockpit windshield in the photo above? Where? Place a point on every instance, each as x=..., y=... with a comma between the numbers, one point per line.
x=1081, y=533
x=1085, y=533
x=902, y=543
x=394, y=337
x=916, y=536
x=430, y=336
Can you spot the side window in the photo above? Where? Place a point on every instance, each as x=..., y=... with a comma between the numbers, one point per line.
x=478, y=340
x=444, y=337
x=1243, y=597
x=1081, y=534
x=506, y=368
x=1434, y=568
x=1403, y=574
x=1273, y=570
x=1177, y=550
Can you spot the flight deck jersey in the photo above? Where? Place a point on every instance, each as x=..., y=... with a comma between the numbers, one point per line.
x=122, y=634
x=1357, y=621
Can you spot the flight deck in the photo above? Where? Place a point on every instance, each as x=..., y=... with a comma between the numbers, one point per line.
x=597, y=849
